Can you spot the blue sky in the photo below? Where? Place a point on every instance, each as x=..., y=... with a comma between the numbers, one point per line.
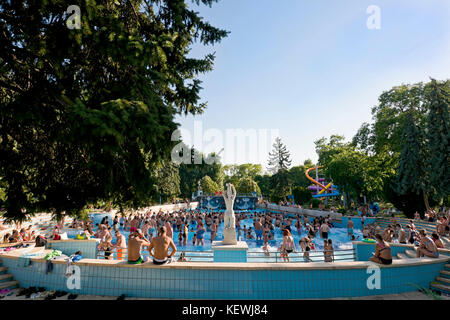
x=312, y=68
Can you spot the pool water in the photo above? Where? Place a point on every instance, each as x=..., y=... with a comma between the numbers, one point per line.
x=341, y=241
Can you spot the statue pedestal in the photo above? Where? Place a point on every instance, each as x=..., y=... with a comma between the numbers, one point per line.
x=229, y=236
x=230, y=252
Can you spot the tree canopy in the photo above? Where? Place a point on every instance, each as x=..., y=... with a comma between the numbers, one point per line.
x=87, y=113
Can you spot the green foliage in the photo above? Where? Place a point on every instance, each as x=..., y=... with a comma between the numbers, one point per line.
x=234, y=173
x=167, y=181
x=297, y=176
x=315, y=202
x=438, y=140
x=301, y=194
x=280, y=184
x=411, y=166
x=197, y=167
x=208, y=185
x=87, y=113
x=263, y=182
x=247, y=186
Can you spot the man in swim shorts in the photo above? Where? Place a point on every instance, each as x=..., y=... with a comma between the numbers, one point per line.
x=258, y=229
x=324, y=229
x=160, y=247
x=135, y=242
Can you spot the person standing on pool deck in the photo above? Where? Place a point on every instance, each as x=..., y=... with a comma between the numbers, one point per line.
x=135, y=242
x=160, y=245
x=350, y=225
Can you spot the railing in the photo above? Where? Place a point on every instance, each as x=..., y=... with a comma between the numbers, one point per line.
x=298, y=256
x=273, y=257
x=189, y=255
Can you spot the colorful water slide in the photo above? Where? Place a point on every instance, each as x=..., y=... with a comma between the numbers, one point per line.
x=315, y=181
x=322, y=193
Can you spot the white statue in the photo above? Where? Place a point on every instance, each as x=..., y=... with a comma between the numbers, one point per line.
x=229, y=232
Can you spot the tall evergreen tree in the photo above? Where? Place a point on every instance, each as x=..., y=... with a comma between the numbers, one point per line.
x=438, y=141
x=411, y=166
x=279, y=158
x=279, y=163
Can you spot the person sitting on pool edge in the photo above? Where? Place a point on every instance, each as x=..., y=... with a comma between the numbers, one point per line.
x=382, y=251
x=427, y=246
x=160, y=245
x=135, y=242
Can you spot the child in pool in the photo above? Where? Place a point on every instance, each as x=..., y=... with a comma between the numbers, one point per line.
x=306, y=254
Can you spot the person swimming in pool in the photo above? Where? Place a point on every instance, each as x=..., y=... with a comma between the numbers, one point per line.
x=159, y=248
x=350, y=225
x=200, y=235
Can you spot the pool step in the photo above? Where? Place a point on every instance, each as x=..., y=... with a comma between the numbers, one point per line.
x=447, y=267
x=443, y=280
x=402, y=256
x=411, y=253
x=9, y=285
x=445, y=274
x=5, y=277
x=3, y=269
x=440, y=287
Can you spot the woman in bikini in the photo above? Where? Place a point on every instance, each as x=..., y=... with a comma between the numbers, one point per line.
x=382, y=251
x=288, y=245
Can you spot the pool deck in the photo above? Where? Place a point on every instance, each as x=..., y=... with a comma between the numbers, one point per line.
x=415, y=295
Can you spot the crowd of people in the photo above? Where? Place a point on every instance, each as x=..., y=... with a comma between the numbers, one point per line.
x=154, y=231
x=149, y=226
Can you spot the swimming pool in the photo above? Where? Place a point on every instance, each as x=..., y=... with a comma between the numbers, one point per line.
x=341, y=242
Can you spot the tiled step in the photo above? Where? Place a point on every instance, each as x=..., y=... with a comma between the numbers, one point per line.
x=402, y=256
x=443, y=280
x=9, y=284
x=447, y=267
x=411, y=253
x=440, y=287
x=3, y=269
x=445, y=273
x=5, y=277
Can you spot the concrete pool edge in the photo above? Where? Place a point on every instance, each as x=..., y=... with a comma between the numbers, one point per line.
x=207, y=280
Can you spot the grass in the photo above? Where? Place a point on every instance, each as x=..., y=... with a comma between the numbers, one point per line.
x=428, y=292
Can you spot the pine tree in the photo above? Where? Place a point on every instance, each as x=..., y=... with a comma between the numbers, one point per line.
x=279, y=158
x=438, y=138
x=279, y=163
